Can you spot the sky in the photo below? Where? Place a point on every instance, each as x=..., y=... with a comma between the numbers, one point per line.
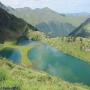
x=61, y=6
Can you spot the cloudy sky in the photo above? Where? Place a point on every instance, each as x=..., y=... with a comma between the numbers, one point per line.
x=62, y=6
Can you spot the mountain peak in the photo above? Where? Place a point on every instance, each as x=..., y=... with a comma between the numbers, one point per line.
x=24, y=8
x=27, y=8
x=43, y=9
x=46, y=8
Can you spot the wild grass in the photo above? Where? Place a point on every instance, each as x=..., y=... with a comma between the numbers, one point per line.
x=24, y=78
x=70, y=48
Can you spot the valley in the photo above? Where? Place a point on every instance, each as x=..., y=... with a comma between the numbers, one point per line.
x=41, y=49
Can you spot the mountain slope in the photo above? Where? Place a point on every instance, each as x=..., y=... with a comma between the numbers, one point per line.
x=46, y=15
x=56, y=28
x=79, y=14
x=22, y=77
x=47, y=20
x=3, y=7
x=83, y=30
x=43, y=19
x=11, y=27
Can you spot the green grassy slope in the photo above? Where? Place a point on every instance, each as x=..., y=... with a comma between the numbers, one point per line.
x=75, y=46
x=78, y=48
x=24, y=78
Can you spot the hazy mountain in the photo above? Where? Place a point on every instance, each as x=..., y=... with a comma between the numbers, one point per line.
x=48, y=20
x=11, y=27
x=83, y=30
x=56, y=28
x=79, y=14
x=46, y=15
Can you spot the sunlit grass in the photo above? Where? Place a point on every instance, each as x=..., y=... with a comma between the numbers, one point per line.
x=24, y=78
x=71, y=48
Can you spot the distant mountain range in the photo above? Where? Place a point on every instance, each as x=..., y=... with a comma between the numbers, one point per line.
x=46, y=20
x=46, y=15
x=11, y=27
x=49, y=21
x=79, y=14
x=83, y=30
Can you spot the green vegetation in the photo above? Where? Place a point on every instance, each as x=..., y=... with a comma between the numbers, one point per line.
x=87, y=27
x=6, y=79
x=24, y=78
x=75, y=46
x=37, y=36
x=78, y=47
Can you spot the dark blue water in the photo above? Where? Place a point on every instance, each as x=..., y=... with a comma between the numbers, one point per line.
x=23, y=41
x=59, y=64
x=11, y=54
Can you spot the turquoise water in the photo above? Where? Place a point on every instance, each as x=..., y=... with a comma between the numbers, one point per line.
x=11, y=54
x=59, y=64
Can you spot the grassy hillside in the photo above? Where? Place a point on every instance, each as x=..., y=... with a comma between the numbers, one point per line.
x=21, y=77
x=78, y=47
x=75, y=46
